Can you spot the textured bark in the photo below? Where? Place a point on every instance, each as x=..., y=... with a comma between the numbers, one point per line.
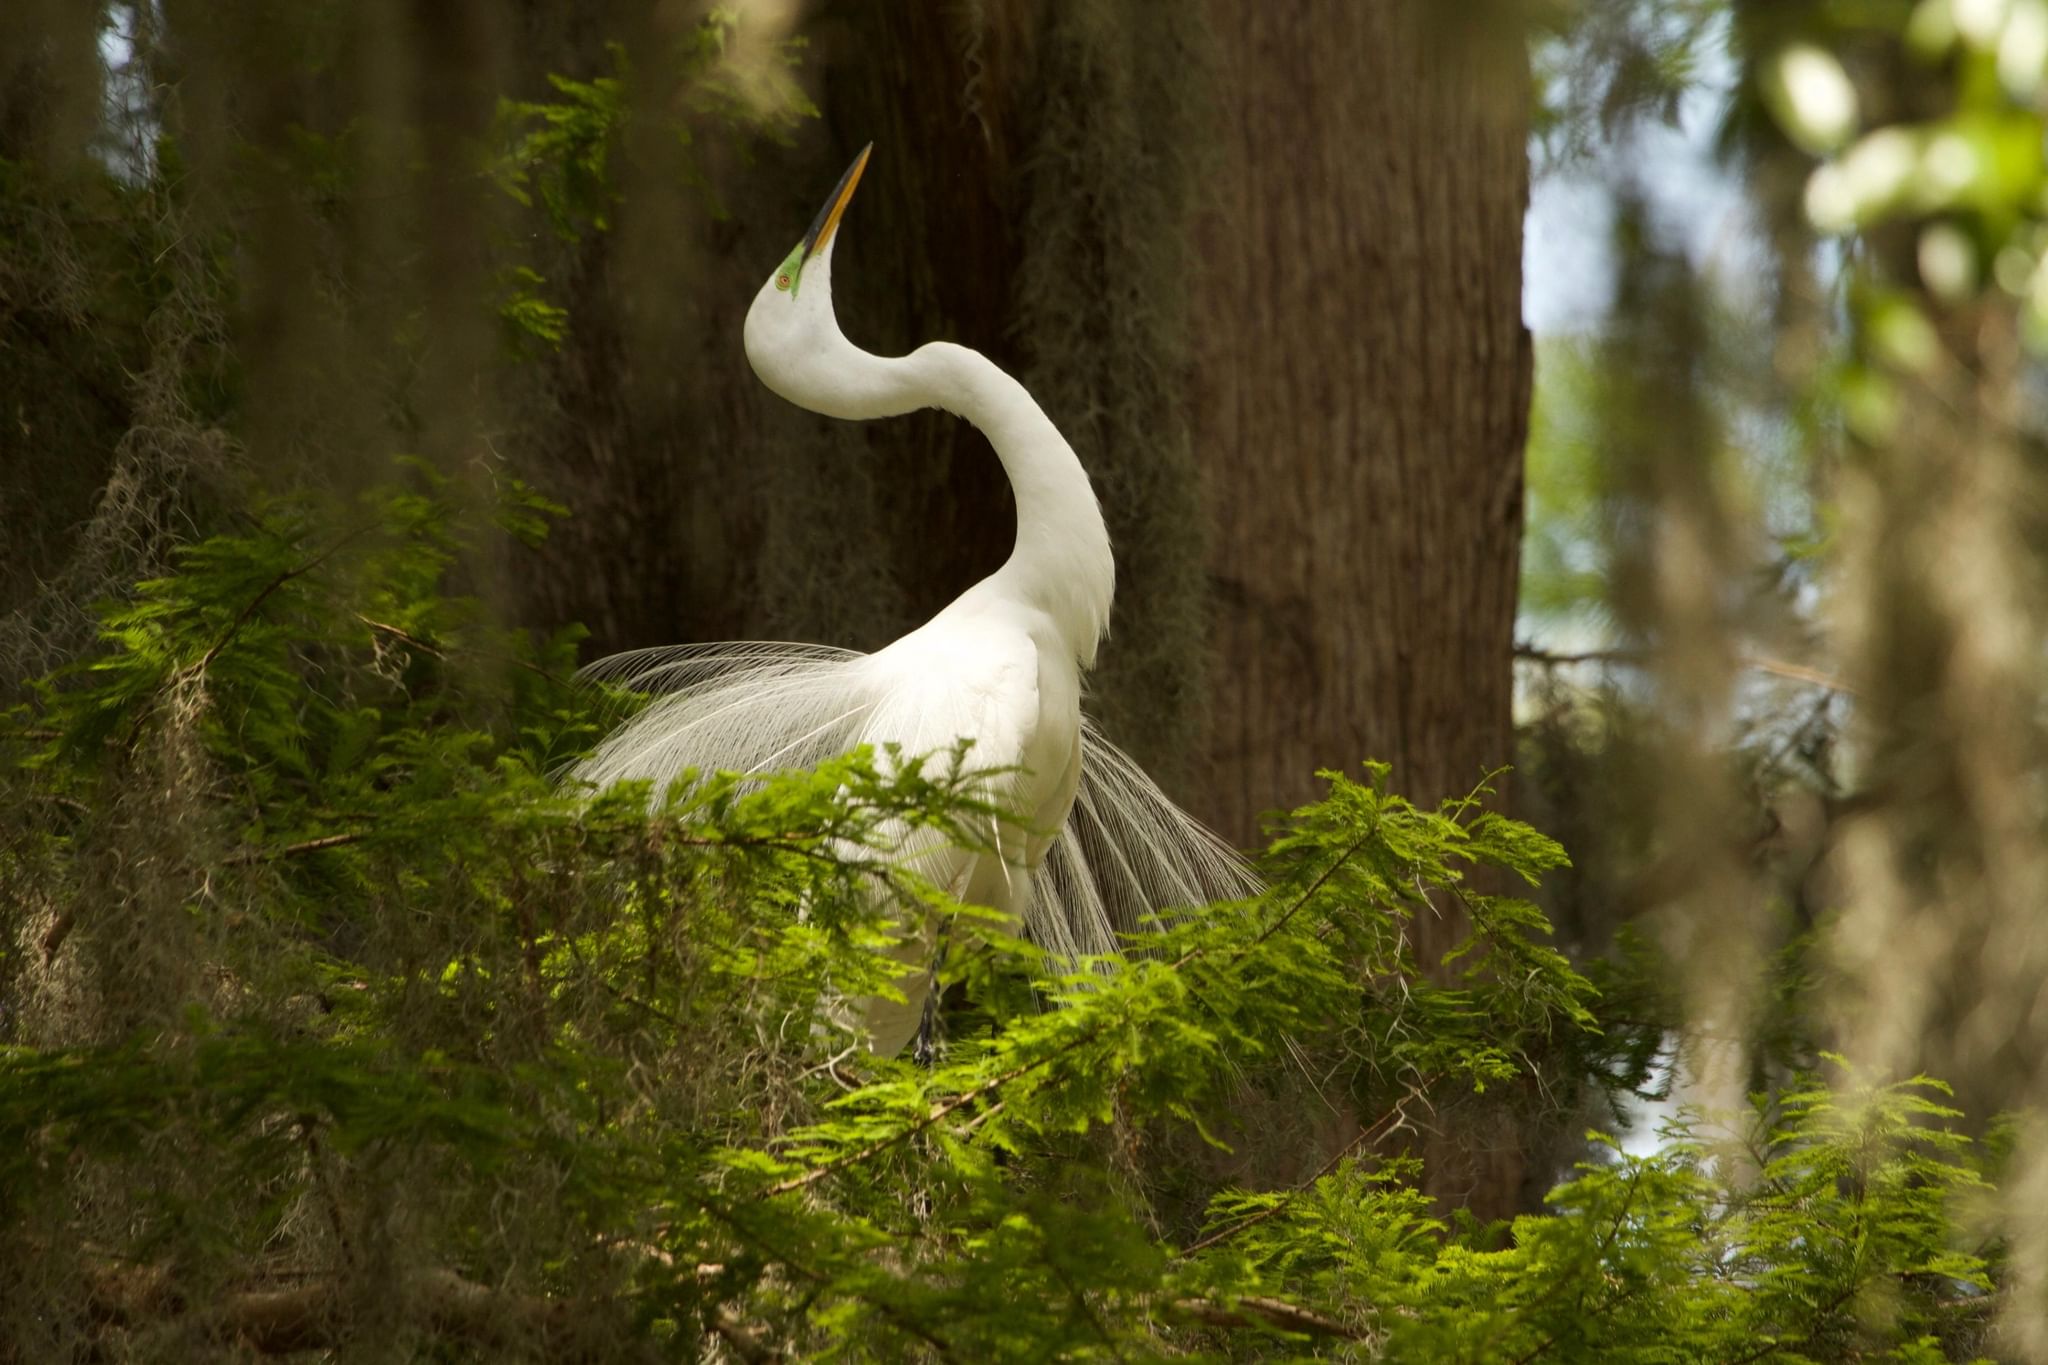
x=1361, y=412
x=1363, y=401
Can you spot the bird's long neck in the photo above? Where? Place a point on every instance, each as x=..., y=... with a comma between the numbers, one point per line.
x=1061, y=562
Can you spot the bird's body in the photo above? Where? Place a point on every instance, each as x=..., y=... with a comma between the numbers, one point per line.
x=1092, y=845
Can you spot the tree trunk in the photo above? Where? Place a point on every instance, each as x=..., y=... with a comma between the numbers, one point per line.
x=1361, y=412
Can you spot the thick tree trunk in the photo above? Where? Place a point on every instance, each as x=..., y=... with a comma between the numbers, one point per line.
x=1363, y=400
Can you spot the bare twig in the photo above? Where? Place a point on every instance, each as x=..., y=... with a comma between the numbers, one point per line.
x=1762, y=663
x=303, y=847
x=249, y=610
x=1370, y=1133
x=404, y=636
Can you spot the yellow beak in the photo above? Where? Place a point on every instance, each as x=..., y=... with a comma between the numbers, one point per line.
x=827, y=221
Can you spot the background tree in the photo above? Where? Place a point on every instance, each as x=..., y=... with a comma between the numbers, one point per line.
x=332, y=1025
x=1038, y=198
x=1362, y=398
x=1778, y=608
x=1364, y=391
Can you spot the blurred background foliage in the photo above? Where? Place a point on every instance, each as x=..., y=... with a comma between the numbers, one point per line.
x=1783, y=611
x=1779, y=693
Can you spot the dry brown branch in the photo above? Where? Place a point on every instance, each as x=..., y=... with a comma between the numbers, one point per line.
x=748, y=1343
x=304, y=846
x=406, y=637
x=1256, y=1310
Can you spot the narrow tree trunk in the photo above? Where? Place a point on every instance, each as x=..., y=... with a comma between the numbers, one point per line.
x=1361, y=412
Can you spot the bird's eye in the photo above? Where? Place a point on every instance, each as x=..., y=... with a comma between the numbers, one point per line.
x=782, y=281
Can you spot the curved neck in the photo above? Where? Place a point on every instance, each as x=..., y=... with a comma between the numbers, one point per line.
x=1061, y=562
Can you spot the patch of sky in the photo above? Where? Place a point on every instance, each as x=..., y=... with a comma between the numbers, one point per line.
x=128, y=112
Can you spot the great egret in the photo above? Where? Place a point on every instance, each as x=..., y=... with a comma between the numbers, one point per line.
x=1095, y=845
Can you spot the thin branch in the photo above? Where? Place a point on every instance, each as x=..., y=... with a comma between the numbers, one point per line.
x=748, y=1343
x=1079, y=1298
x=1365, y=1135
x=1557, y=659
x=1606, y=1306
x=1821, y=1314
x=1256, y=1310
x=315, y=1315
x=939, y=1113
x=624, y=998
x=789, y=1261
x=59, y=930
x=304, y=846
x=322, y=1173
x=404, y=636
x=782, y=843
x=1763, y=663
x=400, y=634
x=242, y=618
x=1600, y=1251
x=1277, y=925
x=1796, y=672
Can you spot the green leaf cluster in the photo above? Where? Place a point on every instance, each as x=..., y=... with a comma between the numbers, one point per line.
x=320, y=977
x=555, y=156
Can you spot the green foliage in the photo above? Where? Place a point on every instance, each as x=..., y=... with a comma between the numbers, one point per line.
x=560, y=1073
x=1563, y=569
x=555, y=154
x=557, y=157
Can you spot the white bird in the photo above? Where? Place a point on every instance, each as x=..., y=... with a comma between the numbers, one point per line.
x=1094, y=846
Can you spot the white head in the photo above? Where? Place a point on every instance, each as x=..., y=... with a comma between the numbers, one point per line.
x=793, y=340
